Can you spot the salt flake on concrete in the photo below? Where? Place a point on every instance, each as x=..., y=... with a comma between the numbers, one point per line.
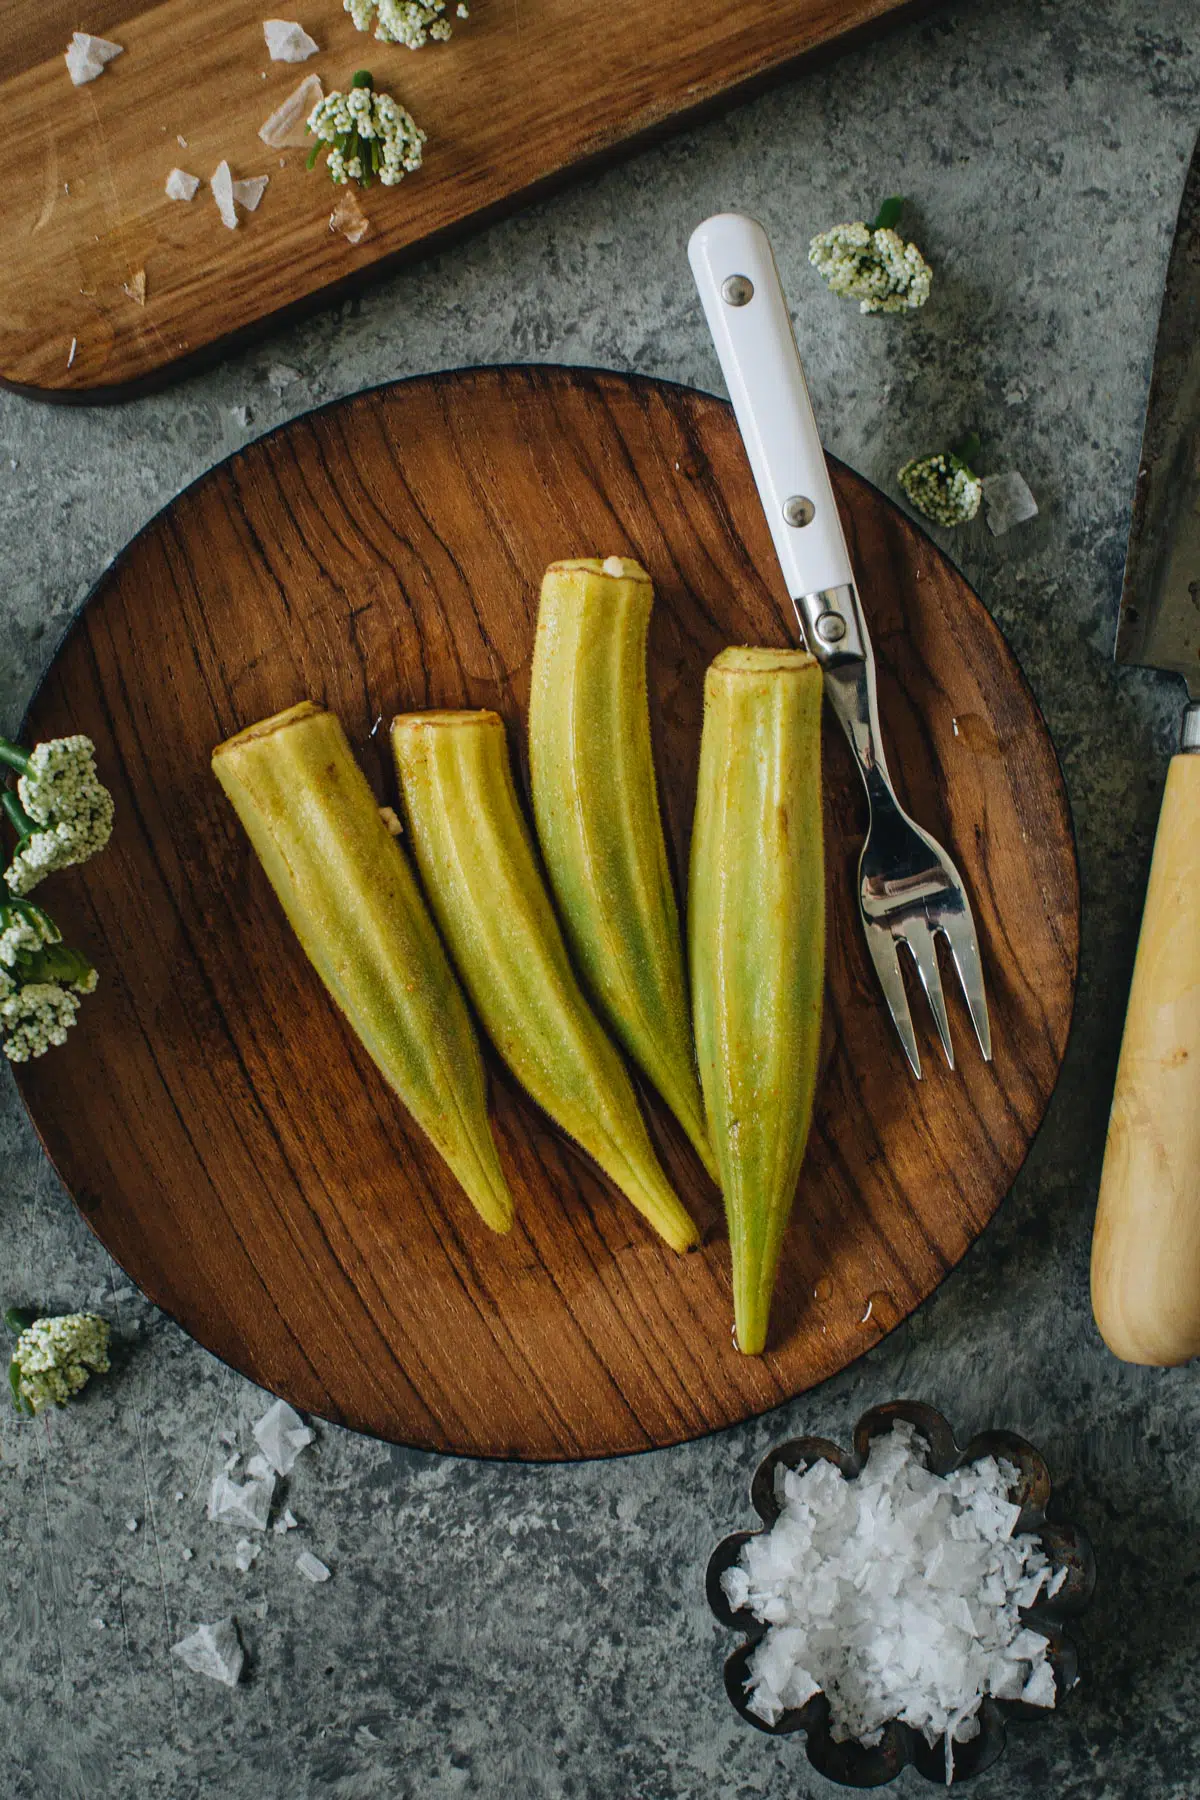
x=245, y=1503
x=311, y=1567
x=1007, y=501
x=213, y=1650
x=281, y=1435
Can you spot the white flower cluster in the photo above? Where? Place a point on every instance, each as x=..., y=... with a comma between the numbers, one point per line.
x=369, y=134
x=37, y=1016
x=25, y=935
x=409, y=22
x=64, y=796
x=38, y=1004
x=876, y=268
x=54, y=1358
x=942, y=487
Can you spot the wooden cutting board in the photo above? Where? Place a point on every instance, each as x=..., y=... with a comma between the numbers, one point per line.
x=524, y=92
x=219, y=1127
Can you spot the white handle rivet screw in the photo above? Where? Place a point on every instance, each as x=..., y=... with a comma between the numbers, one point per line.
x=799, y=510
x=737, y=289
x=830, y=628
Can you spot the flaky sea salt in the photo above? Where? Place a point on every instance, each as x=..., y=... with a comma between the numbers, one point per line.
x=287, y=41
x=287, y=127
x=87, y=56
x=181, y=185
x=311, y=1567
x=897, y=1594
x=245, y=1503
x=1007, y=501
x=244, y=1553
x=222, y=192
x=281, y=1435
x=249, y=192
x=213, y=1650
x=349, y=218
x=287, y=1521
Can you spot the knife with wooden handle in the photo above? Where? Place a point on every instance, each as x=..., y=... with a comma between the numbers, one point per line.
x=1146, y=1249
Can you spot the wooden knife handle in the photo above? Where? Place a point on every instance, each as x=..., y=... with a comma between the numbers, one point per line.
x=1146, y=1249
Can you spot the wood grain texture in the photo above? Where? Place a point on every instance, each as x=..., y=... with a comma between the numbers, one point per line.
x=1146, y=1249
x=525, y=91
x=220, y=1129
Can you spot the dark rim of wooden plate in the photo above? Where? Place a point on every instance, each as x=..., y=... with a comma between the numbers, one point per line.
x=850, y=1764
x=447, y=377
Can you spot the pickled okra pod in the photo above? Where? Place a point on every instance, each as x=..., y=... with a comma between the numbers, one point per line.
x=756, y=941
x=478, y=865
x=353, y=902
x=595, y=800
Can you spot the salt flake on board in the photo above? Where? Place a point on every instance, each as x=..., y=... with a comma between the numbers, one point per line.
x=181, y=185
x=222, y=192
x=287, y=41
x=249, y=192
x=87, y=56
x=287, y=127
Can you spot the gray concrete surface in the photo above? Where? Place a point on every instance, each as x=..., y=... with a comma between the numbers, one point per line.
x=492, y=1630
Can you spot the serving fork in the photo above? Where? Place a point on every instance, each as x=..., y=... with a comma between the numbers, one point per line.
x=910, y=892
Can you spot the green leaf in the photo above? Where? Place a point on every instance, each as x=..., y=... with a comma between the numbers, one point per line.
x=968, y=450
x=16, y=814
x=54, y=962
x=13, y=757
x=313, y=154
x=14, y=1385
x=888, y=214
x=37, y=916
x=18, y=1319
x=363, y=79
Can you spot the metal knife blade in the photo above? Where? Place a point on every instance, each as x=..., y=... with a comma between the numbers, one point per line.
x=1159, y=623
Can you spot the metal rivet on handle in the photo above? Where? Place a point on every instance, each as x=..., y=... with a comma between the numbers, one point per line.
x=830, y=628
x=737, y=289
x=799, y=510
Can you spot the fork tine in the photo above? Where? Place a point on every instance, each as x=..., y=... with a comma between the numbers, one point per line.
x=959, y=933
x=920, y=941
x=882, y=946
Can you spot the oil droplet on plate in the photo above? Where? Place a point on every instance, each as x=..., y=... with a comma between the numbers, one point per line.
x=879, y=1310
x=976, y=734
x=824, y=1289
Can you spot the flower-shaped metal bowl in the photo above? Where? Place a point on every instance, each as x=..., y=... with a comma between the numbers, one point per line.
x=851, y=1763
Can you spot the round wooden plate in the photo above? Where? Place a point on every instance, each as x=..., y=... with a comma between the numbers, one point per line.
x=217, y=1123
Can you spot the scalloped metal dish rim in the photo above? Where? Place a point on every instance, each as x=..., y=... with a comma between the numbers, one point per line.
x=850, y=1763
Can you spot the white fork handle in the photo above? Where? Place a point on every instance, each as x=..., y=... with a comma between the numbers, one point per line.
x=739, y=285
